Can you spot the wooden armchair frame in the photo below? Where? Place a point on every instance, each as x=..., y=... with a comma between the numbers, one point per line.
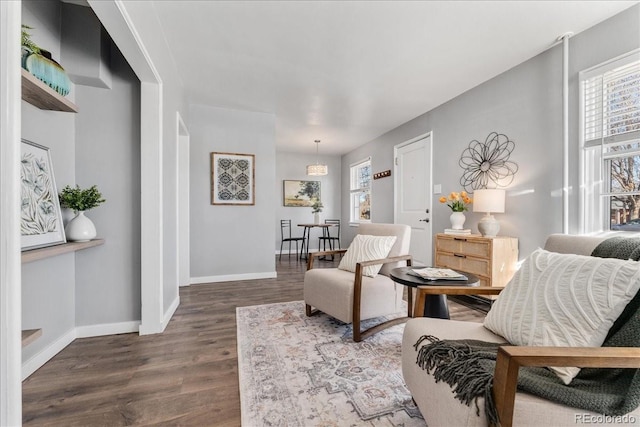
x=359, y=335
x=511, y=358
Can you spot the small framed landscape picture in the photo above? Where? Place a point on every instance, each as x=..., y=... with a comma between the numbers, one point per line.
x=232, y=179
x=40, y=216
x=300, y=193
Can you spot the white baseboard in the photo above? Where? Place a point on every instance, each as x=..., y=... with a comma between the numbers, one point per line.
x=293, y=252
x=44, y=355
x=169, y=313
x=107, y=329
x=234, y=277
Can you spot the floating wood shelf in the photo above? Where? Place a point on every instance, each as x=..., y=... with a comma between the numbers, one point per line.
x=50, y=251
x=42, y=96
x=30, y=335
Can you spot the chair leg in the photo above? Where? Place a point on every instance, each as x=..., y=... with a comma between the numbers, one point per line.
x=280, y=256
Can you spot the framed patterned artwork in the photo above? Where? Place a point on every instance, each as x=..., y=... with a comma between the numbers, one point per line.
x=40, y=215
x=232, y=179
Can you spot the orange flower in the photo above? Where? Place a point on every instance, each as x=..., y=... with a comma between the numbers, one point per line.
x=457, y=201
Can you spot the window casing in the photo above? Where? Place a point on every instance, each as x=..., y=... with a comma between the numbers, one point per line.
x=360, y=192
x=610, y=145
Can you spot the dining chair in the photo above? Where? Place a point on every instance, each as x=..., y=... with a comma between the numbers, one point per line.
x=285, y=236
x=329, y=236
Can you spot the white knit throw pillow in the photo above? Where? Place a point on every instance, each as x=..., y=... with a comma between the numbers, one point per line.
x=367, y=248
x=563, y=300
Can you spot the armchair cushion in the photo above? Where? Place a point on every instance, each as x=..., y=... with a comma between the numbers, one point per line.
x=367, y=248
x=563, y=300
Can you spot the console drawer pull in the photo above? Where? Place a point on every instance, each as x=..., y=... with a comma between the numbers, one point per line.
x=460, y=239
x=459, y=255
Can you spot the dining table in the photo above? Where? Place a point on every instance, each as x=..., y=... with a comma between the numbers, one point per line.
x=306, y=234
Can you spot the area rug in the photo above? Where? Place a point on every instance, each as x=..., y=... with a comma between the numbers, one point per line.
x=306, y=371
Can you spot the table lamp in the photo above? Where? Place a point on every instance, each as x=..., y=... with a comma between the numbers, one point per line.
x=488, y=201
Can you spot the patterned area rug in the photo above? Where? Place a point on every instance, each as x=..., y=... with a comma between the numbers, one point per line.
x=307, y=371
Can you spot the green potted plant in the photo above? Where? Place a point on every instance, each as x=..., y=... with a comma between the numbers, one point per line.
x=80, y=228
x=316, y=208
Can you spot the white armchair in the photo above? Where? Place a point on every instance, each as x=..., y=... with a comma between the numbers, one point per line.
x=353, y=297
x=438, y=403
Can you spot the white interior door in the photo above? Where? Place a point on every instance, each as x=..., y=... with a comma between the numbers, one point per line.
x=413, y=194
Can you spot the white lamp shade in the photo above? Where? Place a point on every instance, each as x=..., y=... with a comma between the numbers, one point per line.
x=488, y=200
x=317, y=170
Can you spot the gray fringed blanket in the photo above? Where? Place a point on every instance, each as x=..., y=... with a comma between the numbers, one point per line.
x=468, y=367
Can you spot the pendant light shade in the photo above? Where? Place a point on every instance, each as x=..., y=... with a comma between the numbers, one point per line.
x=317, y=169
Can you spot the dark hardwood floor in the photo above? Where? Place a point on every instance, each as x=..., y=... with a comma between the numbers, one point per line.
x=186, y=376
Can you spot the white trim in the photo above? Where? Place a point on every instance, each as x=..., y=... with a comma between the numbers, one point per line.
x=44, y=355
x=10, y=267
x=169, y=313
x=116, y=20
x=107, y=329
x=609, y=65
x=151, y=210
x=182, y=221
x=565, y=133
x=293, y=251
x=233, y=277
x=47, y=353
x=366, y=159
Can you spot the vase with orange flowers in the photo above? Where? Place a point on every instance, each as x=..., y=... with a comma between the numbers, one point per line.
x=458, y=202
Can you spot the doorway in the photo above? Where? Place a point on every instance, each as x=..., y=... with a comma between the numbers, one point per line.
x=413, y=194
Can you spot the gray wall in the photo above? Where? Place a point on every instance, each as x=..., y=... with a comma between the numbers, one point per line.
x=108, y=155
x=292, y=166
x=48, y=286
x=228, y=240
x=525, y=103
x=98, y=145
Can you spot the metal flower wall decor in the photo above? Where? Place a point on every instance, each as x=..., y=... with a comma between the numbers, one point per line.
x=486, y=164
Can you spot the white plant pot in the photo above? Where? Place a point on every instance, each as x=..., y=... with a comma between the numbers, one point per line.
x=457, y=220
x=80, y=228
x=316, y=218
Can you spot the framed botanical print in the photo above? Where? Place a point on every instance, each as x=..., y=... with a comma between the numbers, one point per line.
x=40, y=216
x=300, y=193
x=232, y=179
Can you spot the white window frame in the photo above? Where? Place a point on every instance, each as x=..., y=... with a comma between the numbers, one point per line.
x=595, y=153
x=355, y=190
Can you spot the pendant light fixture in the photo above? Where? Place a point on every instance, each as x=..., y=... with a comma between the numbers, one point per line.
x=317, y=169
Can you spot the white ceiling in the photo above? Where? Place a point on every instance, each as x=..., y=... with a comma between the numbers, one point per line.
x=347, y=72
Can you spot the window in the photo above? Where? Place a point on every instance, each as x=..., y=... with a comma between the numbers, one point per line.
x=610, y=141
x=360, y=191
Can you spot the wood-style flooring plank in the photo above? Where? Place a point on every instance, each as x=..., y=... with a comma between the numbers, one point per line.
x=186, y=376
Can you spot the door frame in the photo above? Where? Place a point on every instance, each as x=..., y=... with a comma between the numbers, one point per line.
x=10, y=264
x=183, y=277
x=429, y=174
x=113, y=16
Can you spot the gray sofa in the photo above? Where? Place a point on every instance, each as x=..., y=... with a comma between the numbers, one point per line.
x=436, y=400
